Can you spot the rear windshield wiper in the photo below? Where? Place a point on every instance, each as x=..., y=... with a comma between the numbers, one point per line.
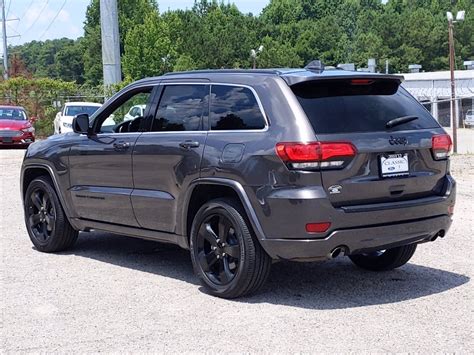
x=400, y=120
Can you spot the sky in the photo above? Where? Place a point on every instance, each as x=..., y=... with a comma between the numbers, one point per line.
x=29, y=20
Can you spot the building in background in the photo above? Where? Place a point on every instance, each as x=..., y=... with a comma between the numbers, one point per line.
x=433, y=89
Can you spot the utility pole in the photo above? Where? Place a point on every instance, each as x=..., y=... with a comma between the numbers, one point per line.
x=110, y=42
x=453, y=86
x=5, y=47
x=459, y=17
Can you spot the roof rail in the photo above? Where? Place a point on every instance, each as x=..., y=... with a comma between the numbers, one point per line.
x=226, y=71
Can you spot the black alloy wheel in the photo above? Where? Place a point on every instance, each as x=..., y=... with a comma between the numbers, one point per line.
x=227, y=257
x=41, y=215
x=46, y=222
x=218, y=249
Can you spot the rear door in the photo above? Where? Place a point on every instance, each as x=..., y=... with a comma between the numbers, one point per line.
x=392, y=162
x=168, y=157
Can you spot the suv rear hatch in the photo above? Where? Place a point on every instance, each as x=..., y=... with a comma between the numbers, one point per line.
x=400, y=151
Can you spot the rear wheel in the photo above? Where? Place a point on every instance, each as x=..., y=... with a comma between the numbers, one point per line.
x=226, y=256
x=46, y=223
x=384, y=260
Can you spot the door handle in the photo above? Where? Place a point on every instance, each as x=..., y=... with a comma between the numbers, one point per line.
x=189, y=144
x=121, y=146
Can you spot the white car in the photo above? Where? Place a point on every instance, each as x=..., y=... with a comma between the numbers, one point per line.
x=469, y=119
x=63, y=119
x=134, y=112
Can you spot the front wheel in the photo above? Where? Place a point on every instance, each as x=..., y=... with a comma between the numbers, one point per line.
x=384, y=260
x=226, y=256
x=46, y=222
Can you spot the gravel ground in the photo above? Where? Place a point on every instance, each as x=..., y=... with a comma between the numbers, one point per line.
x=112, y=293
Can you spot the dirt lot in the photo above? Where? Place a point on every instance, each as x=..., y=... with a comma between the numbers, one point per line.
x=114, y=293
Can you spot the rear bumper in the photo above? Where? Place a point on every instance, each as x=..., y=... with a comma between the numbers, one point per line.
x=357, y=240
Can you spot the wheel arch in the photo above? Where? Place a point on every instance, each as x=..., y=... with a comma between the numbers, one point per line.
x=203, y=190
x=33, y=171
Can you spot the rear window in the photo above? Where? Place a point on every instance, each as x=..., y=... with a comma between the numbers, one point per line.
x=344, y=106
x=77, y=110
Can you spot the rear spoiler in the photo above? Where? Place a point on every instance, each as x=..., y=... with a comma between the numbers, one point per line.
x=292, y=79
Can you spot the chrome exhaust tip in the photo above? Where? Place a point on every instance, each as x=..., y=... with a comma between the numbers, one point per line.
x=337, y=251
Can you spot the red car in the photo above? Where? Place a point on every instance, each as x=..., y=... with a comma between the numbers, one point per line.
x=15, y=128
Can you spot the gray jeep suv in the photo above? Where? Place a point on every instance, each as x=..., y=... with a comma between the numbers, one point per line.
x=245, y=167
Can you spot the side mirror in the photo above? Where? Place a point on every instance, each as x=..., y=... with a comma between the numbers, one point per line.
x=33, y=119
x=80, y=123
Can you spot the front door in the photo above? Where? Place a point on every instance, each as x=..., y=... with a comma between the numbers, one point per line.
x=168, y=158
x=101, y=164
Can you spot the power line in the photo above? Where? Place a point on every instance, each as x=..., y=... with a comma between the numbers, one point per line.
x=26, y=9
x=37, y=18
x=5, y=46
x=54, y=19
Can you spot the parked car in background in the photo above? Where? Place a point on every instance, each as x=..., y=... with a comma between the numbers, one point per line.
x=469, y=119
x=15, y=128
x=134, y=112
x=63, y=119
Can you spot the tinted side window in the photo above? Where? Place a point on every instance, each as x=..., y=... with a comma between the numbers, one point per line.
x=233, y=108
x=181, y=108
x=119, y=121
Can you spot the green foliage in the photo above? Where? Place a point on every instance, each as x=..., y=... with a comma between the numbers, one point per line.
x=38, y=95
x=278, y=55
x=215, y=34
x=149, y=50
x=44, y=126
x=184, y=62
x=58, y=58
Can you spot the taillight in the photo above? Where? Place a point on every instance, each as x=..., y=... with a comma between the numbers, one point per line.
x=441, y=146
x=315, y=155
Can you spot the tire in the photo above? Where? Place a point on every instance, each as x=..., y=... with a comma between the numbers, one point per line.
x=46, y=222
x=226, y=256
x=384, y=260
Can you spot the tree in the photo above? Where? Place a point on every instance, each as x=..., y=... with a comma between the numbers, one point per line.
x=215, y=34
x=149, y=50
x=184, y=62
x=278, y=55
x=58, y=58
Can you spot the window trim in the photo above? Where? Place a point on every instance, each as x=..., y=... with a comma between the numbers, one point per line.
x=259, y=103
x=208, y=129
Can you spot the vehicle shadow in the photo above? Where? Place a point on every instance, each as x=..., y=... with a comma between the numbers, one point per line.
x=335, y=284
